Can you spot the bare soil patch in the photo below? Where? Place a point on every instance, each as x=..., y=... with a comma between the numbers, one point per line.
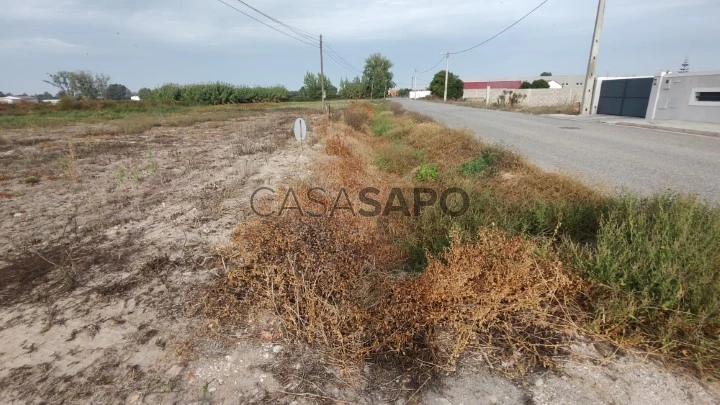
x=106, y=242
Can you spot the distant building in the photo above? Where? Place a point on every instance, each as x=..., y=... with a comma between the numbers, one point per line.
x=416, y=94
x=18, y=100
x=52, y=101
x=514, y=83
x=135, y=98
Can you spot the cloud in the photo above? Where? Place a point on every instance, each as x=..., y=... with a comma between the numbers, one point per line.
x=46, y=45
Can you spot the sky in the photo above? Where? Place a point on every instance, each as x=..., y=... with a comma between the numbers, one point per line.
x=145, y=43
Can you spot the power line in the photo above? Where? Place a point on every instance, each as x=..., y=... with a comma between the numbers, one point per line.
x=345, y=62
x=501, y=32
x=339, y=62
x=296, y=30
x=305, y=35
x=268, y=25
x=434, y=66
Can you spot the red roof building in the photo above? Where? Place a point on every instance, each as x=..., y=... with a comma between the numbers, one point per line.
x=510, y=84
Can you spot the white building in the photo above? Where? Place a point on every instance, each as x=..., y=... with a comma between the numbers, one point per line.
x=416, y=94
x=685, y=96
x=18, y=100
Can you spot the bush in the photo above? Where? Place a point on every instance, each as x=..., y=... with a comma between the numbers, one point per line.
x=659, y=263
x=358, y=115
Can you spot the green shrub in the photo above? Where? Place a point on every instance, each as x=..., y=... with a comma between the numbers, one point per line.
x=484, y=164
x=659, y=258
x=427, y=172
x=382, y=124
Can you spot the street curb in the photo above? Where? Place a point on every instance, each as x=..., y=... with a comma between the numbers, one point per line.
x=664, y=128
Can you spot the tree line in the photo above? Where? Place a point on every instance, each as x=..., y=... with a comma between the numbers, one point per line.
x=374, y=82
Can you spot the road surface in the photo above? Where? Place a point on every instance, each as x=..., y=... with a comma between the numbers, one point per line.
x=616, y=157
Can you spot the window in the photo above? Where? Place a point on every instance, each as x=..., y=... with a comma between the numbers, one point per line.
x=706, y=96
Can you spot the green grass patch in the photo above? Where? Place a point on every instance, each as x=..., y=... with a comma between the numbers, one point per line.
x=427, y=172
x=382, y=123
x=398, y=158
x=484, y=164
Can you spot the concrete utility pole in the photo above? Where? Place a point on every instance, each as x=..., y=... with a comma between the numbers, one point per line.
x=590, y=76
x=447, y=72
x=322, y=73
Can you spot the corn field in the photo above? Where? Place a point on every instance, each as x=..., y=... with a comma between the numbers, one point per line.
x=218, y=93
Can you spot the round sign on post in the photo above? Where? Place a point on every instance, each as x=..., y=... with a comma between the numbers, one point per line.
x=300, y=129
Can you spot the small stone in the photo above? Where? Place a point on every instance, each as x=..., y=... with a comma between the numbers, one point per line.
x=212, y=389
x=277, y=349
x=539, y=382
x=133, y=398
x=174, y=371
x=17, y=214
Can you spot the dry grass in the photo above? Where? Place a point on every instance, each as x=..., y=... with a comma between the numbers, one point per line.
x=334, y=282
x=358, y=115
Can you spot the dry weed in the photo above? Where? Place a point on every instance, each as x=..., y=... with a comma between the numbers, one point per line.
x=358, y=115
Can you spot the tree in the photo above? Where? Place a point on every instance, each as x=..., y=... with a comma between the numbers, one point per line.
x=540, y=84
x=312, y=89
x=117, y=92
x=79, y=83
x=352, y=90
x=526, y=85
x=144, y=93
x=455, y=85
x=377, y=76
x=2, y=94
x=685, y=67
x=403, y=93
x=545, y=74
x=44, y=96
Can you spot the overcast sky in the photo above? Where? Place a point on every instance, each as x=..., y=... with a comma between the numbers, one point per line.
x=144, y=43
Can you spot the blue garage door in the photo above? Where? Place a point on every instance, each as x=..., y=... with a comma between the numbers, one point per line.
x=625, y=97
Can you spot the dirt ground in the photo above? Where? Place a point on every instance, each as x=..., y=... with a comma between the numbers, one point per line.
x=107, y=244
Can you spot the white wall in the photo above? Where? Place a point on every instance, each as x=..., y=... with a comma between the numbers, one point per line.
x=415, y=94
x=535, y=97
x=673, y=97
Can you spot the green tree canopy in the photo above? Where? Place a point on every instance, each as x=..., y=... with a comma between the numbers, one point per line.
x=377, y=76
x=79, y=83
x=403, y=93
x=352, y=90
x=312, y=87
x=455, y=85
x=540, y=84
x=545, y=74
x=144, y=93
x=117, y=92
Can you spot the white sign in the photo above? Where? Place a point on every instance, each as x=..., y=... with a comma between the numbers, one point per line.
x=300, y=129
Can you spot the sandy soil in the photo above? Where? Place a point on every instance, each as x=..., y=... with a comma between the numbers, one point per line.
x=108, y=243
x=105, y=243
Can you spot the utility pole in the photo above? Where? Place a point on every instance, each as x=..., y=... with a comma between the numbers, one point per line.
x=587, y=98
x=447, y=72
x=322, y=74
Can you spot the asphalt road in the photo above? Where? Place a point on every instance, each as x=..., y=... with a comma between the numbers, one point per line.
x=609, y=156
